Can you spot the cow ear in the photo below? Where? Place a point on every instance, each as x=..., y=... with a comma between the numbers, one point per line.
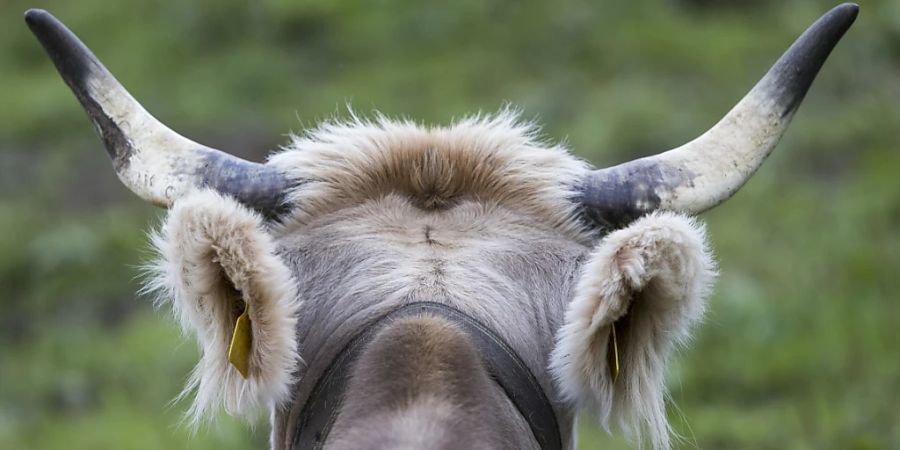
x=216, y=260
x=647, y=283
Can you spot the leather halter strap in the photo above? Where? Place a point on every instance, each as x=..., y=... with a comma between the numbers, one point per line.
x=501, y=361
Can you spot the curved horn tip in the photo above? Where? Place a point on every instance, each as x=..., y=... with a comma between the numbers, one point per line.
x=170, y=164
x=34, y=15
x=847, y=7
x=849, y=10
x=846, y=11
x=693, y=178
x=792, y=75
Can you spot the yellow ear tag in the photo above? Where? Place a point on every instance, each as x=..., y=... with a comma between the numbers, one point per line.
x=239, y=351
x=612, y=354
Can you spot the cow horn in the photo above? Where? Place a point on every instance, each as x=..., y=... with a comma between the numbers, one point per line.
x=155, y=162
x=708, y=170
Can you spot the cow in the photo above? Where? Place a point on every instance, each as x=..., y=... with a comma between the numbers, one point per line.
x=379, y=284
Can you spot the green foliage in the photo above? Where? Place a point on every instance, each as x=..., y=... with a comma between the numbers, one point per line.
x=799, y=350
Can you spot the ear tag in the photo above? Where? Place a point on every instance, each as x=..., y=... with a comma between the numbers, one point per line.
x=239, y=351
x=612, y=353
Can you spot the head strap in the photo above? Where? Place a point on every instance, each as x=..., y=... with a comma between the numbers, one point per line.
x=502, y=363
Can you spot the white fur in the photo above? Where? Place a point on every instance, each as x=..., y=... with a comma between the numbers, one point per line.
x=495, y=159
x=656, y=274
x=214, y=253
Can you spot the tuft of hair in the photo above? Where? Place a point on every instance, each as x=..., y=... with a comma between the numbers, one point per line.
x=495, y=159
x=651, y=279
x=213, y=259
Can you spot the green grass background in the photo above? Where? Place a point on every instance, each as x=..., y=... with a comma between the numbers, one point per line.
x=800, y=349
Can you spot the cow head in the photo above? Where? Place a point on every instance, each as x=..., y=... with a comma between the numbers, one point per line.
x=586, y=278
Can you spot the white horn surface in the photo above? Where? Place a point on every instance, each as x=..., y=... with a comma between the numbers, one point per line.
x=155, y=162
x=708, y=170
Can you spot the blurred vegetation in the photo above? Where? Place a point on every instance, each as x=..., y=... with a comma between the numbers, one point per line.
x=800, y=347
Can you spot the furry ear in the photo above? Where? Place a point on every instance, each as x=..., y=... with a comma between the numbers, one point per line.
x=215, y=259
x=651, y=279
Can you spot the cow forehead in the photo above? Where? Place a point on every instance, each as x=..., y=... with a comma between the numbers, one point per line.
x=496, y=159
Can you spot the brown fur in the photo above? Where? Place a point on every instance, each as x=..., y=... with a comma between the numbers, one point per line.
x=494, y=159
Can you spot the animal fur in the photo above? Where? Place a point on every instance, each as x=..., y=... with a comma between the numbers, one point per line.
x=478, y=215
x=652, y=277
x=494, y=159
x=215, y=258
x=501, y=242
